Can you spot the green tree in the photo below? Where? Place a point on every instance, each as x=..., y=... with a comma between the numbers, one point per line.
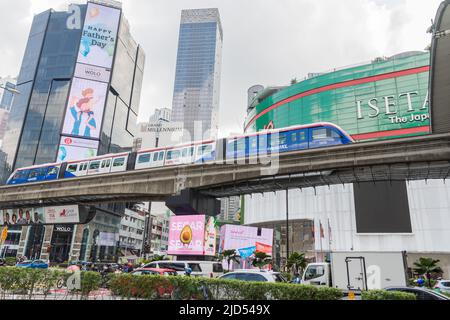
x=428, y=267
x=229, y=255
x=261, y=259
x=296, y=262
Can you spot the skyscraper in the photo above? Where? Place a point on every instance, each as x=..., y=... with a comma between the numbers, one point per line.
x=80, y=89
x=197, y=78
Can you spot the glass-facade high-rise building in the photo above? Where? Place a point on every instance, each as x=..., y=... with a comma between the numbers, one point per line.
x=67, y=69
x=197, y=78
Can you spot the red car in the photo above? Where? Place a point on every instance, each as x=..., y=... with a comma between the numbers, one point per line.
x=162, y=291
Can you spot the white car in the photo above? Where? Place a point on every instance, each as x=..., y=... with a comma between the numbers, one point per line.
x=254, y=275
x=443, y=286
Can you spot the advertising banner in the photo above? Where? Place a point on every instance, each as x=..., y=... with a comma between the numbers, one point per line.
x=107, y=239
x=62, y=214
x=210, y=237
x=76, y=149
x=235, y=237
x=99, y=36
x=244, y=253
x=47, y=215
x=261, y=247
x=84, y=112
x=186, y=235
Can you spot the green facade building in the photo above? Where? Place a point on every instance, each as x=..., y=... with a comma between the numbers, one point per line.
x=387, y=98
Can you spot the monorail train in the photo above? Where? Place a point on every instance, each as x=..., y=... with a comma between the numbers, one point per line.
x=315, y=135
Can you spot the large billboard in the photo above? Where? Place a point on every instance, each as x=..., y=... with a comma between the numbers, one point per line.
x=90, y=84
x=190, y=235
x=99, y=36
x=84, y=112
x=236, y=237
x=46, y=215
x=76, y=149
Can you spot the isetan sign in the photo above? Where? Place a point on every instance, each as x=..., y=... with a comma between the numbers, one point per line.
x=391, y=106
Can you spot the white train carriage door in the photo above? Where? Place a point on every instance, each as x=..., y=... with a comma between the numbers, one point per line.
x=157, y=159
x=105, y=165
x=82, y=168
x=187, y=155
x=119, y=163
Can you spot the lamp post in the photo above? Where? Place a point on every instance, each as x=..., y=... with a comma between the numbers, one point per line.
x=12, y=90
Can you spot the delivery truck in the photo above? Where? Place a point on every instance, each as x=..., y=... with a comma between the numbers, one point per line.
x=358, y=271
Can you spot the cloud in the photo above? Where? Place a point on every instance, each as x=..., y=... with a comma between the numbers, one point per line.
x=266, y=42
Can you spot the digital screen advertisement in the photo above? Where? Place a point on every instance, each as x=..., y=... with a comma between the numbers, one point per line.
x=235, y=237
x=99, y=36
x=76, y=149
x=84, y=113
x=186, y=235
x=47, y=215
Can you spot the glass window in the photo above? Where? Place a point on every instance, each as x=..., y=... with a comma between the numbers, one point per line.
x=241, y=145
x=217, y=267
x=294, y=137
x=195, y=267
x=324, y=133
x=250, y=277
x=94, y=165
x=21, y=174
x=155, y=156
x=144, y=158
x=85, y=166
x=72, y=168
x=119, y=162
x=108, y=163
x=53, y=171
x=173, y=154
x=161, y=155
x=37, y=173
x=314, y=272
x=230, y=276
x=103, y=163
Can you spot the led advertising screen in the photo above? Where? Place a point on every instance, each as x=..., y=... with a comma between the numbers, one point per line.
x=186, y=235
x=84, y=113
x=76, y=149
x=99, y=36
x=47, y=215
x=210, y=237
x=235, y=237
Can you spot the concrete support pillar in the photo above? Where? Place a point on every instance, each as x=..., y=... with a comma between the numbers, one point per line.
x=45, y=253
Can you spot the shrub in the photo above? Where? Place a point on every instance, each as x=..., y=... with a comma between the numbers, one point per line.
x=181, y=288
x=387, y=295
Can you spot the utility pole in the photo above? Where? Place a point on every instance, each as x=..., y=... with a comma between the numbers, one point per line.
x=287, y=224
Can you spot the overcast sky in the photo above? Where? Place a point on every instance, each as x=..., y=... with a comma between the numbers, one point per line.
x=266, y=42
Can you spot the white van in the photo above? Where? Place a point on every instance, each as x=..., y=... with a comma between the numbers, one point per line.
x=210, y=269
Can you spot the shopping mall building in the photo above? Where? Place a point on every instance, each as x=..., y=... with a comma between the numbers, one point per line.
x=384, y=99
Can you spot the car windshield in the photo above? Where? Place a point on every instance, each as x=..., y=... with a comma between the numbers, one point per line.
x=314, y=272
x=445, y=284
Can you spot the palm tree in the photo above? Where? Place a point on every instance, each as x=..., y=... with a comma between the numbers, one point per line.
x=296, y=262
x=428, y=267
x=230, y=255
x=261, y=259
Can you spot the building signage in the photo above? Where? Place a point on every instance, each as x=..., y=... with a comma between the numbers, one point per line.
x=62, y=228
x=210, y=237
x=48, y=215
x=76, y=149
x=388, y=106
x=85, y=71
x=90, y=84
x=99, y=36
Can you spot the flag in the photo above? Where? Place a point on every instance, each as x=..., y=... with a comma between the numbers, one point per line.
x=329, y=230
